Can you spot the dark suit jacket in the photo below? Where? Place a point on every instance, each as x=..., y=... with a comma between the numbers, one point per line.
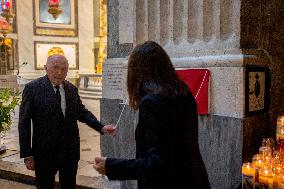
x=53, y=135
x=167, y=150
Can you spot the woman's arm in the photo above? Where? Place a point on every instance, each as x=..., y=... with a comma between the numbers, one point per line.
x=154, y=162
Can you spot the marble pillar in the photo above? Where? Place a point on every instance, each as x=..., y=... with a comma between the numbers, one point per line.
x=217, y=35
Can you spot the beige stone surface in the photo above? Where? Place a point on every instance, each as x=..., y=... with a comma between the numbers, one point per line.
x=6, y=184
x=86, y=36
x=25, y=35
x=226, y=84
x=184, y=27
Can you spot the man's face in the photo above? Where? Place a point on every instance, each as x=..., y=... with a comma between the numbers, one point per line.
x=56, y=69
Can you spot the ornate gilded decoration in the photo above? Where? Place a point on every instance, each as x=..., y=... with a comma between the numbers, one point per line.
x=55, y=51
x=103, y=36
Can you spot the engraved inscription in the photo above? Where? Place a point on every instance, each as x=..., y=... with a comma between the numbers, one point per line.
x=113, y=79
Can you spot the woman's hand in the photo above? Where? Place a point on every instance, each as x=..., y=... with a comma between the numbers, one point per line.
x=100, y=165
x=29, y=162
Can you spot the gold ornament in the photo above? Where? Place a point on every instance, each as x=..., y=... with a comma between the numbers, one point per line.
x=55, y=51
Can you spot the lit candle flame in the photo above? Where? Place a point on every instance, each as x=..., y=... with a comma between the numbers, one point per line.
x=280, y=121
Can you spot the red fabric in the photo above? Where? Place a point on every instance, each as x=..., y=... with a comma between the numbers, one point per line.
x=198, y=81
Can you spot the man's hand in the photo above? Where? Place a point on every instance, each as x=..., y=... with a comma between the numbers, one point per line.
x=109, y=129
x=100, y=165
x=29, y=162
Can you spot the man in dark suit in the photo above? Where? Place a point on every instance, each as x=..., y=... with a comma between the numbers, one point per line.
x=54, y=106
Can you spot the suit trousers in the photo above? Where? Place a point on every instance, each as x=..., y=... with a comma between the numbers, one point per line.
x=45, y=171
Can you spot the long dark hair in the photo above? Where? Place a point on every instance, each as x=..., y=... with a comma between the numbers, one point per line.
x=149, y=64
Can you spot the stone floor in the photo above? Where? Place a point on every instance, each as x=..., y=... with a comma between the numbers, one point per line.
x=6, y=184
x=90, y=142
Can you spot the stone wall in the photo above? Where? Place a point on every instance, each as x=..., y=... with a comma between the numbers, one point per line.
x=262, y=29
x=221, y=36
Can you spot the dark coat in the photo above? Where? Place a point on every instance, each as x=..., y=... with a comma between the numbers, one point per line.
x=167, y=150
x=53, y=135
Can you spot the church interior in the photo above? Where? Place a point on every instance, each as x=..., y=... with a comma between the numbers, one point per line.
x=229, y=53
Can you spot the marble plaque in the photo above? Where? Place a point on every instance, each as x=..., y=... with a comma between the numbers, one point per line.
x=70, y=52
x=113, y=78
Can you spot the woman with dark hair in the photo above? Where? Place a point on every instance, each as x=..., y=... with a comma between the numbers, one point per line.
x=167, y=150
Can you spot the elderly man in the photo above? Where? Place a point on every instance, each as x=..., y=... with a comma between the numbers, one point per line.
x=54, y=106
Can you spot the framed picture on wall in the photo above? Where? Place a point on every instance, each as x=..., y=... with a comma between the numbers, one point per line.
x=64, y=24
x=41, y=53
x=257, y=90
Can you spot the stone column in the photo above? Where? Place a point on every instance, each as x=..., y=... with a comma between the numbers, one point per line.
x=25, y=37
x=86, y=36
x=216, y=35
